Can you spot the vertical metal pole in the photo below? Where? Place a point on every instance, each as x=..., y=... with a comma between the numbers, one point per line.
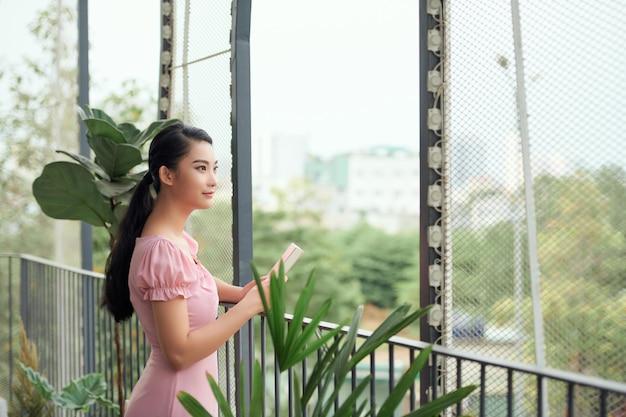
x=242, y=179
x=85, y=229
x=428, y=215
x=83, y=99
x=530, y=199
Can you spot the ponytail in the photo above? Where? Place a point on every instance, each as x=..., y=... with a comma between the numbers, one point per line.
x=116, y=295
x=167, y=148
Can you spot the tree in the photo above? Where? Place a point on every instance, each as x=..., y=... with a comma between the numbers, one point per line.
x=39, y=116
x=577, y=237
x=380, y=261
x=590, y=331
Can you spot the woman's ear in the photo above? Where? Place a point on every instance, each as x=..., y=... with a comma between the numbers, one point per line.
x=166, y=175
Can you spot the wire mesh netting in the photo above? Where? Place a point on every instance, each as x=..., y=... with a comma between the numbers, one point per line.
x=533, y=134
x=201, y=97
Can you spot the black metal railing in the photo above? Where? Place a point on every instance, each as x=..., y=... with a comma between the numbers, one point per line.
x=58, y=306
x=59, y=309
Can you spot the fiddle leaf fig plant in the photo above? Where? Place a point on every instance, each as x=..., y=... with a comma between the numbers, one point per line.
x=97, y=190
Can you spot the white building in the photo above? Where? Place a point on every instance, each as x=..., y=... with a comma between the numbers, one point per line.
x=380, y=186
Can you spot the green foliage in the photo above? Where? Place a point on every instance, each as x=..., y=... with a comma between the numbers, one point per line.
x=584, y=236
x=26, y=398
x=380, y=261
x=324, y=253
x=291, y=342
x=36, y=105
x=340, y=355
x=96, y=191
x=581, y=243
x=80, y=395
x=574, y=340
x=495, y=246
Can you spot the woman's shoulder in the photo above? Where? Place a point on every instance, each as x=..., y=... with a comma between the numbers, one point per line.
x=162, y=270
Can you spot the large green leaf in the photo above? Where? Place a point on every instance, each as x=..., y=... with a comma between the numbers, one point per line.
x=87, y=112
x=40, y=383
x=67, y=191
x=75, y=396
x=130, y=132
x=151, y=131
x=110, y=189
x=89, y=164
x=97, y=127
x=222, y=402
x=116, y=159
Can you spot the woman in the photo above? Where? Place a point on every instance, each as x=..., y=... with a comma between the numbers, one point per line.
x=153, y=270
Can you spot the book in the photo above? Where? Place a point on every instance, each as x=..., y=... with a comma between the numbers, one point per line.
x=291, y=255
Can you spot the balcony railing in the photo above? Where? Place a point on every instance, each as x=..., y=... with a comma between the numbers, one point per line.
x=73, y=336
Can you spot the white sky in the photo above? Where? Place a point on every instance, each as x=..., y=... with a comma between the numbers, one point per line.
x=343, y=73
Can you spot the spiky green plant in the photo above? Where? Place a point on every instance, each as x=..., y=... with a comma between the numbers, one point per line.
x=295, y=342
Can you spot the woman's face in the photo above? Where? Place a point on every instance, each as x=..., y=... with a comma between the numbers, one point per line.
x=195, y=180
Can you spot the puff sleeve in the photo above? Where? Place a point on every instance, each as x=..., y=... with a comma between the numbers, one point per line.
x=165, y=272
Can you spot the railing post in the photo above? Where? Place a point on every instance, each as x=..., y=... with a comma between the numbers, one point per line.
x=24, y=293
x=242, y=180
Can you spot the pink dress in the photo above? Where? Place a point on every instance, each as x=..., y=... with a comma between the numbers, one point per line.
x=161, y=271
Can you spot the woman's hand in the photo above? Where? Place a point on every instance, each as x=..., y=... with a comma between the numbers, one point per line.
x=246, y=288
x=252, y=297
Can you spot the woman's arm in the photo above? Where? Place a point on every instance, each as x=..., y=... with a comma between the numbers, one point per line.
x=183, y=347
x=233, y=293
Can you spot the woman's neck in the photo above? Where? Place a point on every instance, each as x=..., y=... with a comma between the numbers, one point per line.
x=166, y=219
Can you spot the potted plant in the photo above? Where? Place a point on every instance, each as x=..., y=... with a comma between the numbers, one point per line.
x=97, y=190
x=294, y=343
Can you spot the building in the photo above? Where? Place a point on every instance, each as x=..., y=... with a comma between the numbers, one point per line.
x=379, y=185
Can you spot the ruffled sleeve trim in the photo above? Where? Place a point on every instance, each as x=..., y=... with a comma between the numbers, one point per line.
x=167, y=294
x=166, y=272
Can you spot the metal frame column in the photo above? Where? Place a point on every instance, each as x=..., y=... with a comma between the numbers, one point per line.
x=86, y=231
x=431, y=190
x=242, y=179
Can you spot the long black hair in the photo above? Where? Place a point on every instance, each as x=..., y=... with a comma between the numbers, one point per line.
x=167, y=149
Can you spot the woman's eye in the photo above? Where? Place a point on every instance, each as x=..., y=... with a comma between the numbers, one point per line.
x=215, y=168
x=202, y=168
